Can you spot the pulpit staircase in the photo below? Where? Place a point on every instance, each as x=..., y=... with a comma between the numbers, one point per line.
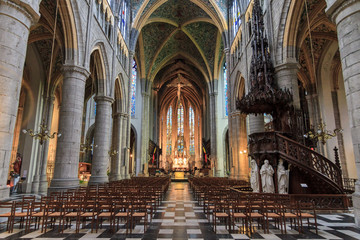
x=310, y=172
x=320, y=174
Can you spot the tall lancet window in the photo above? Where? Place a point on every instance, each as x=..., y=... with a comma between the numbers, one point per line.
x=133, y=88
x=168, y=131
x=226, y=91
x=180, y=135
x=123, y=14
x=192, y=130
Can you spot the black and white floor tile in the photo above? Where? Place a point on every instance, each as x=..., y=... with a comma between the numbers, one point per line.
x=180, y=218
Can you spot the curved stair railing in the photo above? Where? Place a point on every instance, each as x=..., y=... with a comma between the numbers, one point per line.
x=298, y=155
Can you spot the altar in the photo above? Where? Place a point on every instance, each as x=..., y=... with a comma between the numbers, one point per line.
x=180, y=164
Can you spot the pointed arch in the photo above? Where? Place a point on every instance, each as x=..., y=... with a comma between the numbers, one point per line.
x=98, y=70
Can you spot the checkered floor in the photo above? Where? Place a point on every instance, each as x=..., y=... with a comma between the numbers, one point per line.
x=180, y=218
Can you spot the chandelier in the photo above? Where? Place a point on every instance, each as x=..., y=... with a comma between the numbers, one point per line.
x=87, y=146
x=43, y=135
x=322, y=134
x=113, y=152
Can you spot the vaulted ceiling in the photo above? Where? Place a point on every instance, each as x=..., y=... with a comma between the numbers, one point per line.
x=180, y=37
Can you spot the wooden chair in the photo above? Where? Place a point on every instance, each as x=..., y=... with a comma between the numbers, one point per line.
x=10, y=208
x=221, y=212
x=122, y=212
x=72, y=210
x=23, y=214
x=307, y=210
x=138, y=211
x=272, y=211
x=54, y=211
x=37, y=214
x=255, y=211
x=105, y=210
x=238, y=212
x=290, y=211
x=88, y=211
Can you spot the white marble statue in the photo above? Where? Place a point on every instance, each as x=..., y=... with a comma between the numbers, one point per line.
x=282, y=178
x=254, y=176
x=267, y=181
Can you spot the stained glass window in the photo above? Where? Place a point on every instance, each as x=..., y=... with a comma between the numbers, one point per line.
x=192, y=130
x=180, y=124
x=133, y=88
x=123, y=18
x=168, y=131
x=226, y=91
x=236, y=17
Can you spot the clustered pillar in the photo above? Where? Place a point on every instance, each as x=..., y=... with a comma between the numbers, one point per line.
x=346, y=15
x=102, y=132
x=70, y=122
x=16, y=18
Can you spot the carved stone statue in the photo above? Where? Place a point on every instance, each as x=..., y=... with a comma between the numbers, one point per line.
x=254, y=176
x=283, y=178
x=267, y=181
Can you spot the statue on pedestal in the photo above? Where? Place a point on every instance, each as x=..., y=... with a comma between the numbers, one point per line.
x=267, y=181
x=254, y=176
x=283, y=178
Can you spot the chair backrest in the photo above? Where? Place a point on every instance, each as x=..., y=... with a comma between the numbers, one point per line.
x=10, y=206
x=306, y=207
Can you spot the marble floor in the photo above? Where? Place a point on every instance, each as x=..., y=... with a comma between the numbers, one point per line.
x=180, y=218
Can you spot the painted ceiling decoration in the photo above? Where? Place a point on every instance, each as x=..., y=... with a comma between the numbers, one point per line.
x=180, y=39
x=216, y=8
x=179, y=29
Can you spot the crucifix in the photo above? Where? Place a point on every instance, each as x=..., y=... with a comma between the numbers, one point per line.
x=179, y=85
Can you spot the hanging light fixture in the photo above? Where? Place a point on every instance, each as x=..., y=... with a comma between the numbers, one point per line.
x=321, y=134
x=112, y=152
x=43, y=135
x=87, y=146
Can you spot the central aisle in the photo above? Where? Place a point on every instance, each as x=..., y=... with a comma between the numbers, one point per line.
x=180, y=218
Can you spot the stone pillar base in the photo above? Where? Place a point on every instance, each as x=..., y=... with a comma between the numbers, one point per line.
x=356, y=203
x=35, y=185
x=43, y=187
x=98, y=179
x=60, y=185
x=115, y=177
x=4, y=192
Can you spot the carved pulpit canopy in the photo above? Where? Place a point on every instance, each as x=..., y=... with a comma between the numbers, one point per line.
x=264, y=96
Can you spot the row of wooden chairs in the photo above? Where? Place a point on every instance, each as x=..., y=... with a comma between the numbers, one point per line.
x=233, y=207
x=116, y=202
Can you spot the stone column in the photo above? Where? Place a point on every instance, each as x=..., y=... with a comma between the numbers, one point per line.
x=43, y=184
x=145, y=130
x=127, y=119
x=286, y=75
x=346, y=15
x=116, y=143
x=244, y=162
x=70, y=122
x=126, y=150
x=102, y=135
x=232, y=144
x=219, y=168
x=16, y=17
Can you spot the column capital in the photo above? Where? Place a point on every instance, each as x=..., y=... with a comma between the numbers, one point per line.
x=68, y=68
x=121, y=114
x=336, y=9
x=27, y=7
x=226, y=50
x=213, y=94
x=103, y=99
x=289, y=65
